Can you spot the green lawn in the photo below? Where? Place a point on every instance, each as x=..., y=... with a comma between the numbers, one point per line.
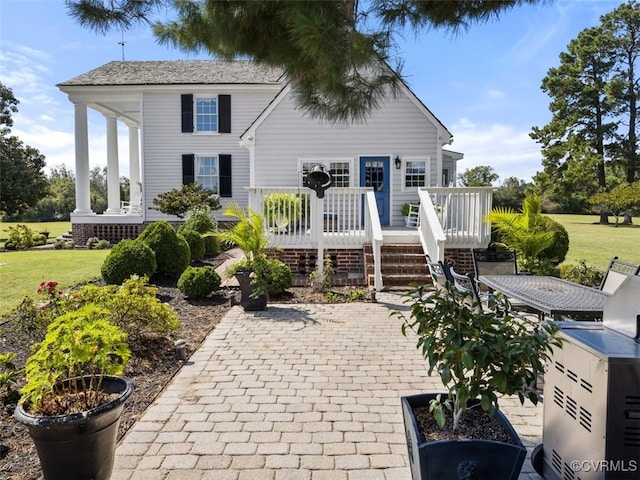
x=22, y=272
x=598, y=243
x=55, y=229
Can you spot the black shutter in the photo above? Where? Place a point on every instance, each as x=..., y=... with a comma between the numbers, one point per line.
x=188, y=170
x=225, y=175
x=224, y=113
x=186, y=107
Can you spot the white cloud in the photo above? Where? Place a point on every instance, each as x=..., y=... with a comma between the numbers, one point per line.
x=511, y=152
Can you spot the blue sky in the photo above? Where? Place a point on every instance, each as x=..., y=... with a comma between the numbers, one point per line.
x=483, y=84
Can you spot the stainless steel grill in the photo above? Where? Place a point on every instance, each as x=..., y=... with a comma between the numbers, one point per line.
x=591, y=428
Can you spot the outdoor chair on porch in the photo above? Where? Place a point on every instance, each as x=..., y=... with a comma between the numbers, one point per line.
x=616, y=273
x=128, y=208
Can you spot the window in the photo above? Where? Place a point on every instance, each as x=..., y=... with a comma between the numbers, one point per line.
x=207, y=173
x=415, y=174
x=212, y=172
x=340, y=171
x=207, y=114
x=204, y=114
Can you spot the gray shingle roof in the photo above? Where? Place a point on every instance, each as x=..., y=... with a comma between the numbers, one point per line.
x=180, y=72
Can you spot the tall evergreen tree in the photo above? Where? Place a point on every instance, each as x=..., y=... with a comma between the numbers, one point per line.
x=338, y=55
x=574, y=141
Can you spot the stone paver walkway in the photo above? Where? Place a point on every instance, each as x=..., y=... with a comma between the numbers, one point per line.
x=297, y=392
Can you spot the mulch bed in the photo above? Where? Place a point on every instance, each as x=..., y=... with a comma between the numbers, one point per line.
x=151, y=367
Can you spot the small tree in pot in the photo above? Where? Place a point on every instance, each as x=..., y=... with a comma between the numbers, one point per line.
x=478, y=356
x=72, y=400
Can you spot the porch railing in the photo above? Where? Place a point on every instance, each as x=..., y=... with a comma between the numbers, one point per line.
x=457, y=213
x=294, y=216
x=374, y=232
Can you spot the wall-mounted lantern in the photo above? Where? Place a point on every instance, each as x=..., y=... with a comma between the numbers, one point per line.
x=318, y=179
x=398, y=162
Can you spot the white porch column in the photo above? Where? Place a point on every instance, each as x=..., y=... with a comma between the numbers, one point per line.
x=113, y=172
x=83, y=201
x=134, y=166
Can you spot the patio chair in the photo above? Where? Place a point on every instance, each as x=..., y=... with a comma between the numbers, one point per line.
x=616, y=273
x=128, y=208
x=465, y=284
x=440, y=273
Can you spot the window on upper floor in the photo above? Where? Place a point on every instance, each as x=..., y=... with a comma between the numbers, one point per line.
x=340, y=171
x=205, y=113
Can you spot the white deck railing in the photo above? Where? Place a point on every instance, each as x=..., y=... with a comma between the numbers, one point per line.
x=460, y=213
x=290, y=213
x=430, y=230
x=374, y=232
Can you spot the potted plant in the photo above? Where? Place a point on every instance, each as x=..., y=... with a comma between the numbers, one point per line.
x=72, y=400
x=479, y=355
x=405, y=213
x=252, y=272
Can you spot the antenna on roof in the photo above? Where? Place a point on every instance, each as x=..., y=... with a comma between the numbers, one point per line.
x=121, y=43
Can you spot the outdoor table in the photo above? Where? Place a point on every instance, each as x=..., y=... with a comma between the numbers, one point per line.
x=550, y=295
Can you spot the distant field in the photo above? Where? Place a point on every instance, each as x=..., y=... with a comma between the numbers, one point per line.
x=598, y=243
x=55, y=229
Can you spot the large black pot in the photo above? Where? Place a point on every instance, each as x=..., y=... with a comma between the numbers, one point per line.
x=460, y=459
x=79, y=445
x=248, y=302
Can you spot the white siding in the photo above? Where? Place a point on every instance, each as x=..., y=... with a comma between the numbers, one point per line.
x=398, y=128
x=164, y=143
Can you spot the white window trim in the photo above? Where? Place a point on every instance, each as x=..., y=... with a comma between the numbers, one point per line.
x=196, y=156
x=327, y=163
x=403, y=172
x=195, y=114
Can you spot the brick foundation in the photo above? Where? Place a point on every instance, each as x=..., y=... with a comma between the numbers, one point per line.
x=348, y=264
x=114, y=232
x=461, y=259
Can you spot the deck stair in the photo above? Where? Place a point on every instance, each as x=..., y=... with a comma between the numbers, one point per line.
x=403, y=265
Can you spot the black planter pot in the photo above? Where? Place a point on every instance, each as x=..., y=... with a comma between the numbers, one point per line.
x=79, y=445
x=247, y=302
x=460, y=459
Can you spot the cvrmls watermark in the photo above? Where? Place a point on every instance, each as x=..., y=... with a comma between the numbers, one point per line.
x=604, y=465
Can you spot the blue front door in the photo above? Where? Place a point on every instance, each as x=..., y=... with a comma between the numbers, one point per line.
x=374, y=172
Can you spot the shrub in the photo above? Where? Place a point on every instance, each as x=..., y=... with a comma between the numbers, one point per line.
x=39, y=239
x=94, y=243
x=128, y=257
x=172, y=250
x=280, y=277
x=20, y=236
x=282, y=209
x=326, y=281
x=199, y=219
x=196, y=243
x=581, y=273
x=63, y=245
x=132, y=306
x=557, y=252
x=179, y=201
x=198, y=282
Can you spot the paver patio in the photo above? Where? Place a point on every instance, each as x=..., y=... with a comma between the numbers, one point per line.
x=297, y=392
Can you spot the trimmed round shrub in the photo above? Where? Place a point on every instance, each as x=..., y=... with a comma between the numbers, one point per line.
x=280, y=276
x=172, y=250
x=196, y=243
x=198, y=282
x=201, y=222
x=581, y=273
x=557, y=251
x=128, y=257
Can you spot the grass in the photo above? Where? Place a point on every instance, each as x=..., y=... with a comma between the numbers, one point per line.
x=22, y=272
x=55, y=229
x=596, y=244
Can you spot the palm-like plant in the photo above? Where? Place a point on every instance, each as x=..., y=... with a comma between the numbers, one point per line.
x=524, y=231
x=248, y=234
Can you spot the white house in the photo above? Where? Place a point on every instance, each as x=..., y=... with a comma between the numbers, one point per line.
x=233, y=127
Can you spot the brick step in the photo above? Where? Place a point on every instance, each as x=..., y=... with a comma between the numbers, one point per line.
x=396, y=269
x=407, y=258
x=404, y=280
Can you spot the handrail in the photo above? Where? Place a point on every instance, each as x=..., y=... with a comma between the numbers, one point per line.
x=374, y=231
x=432, y=236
